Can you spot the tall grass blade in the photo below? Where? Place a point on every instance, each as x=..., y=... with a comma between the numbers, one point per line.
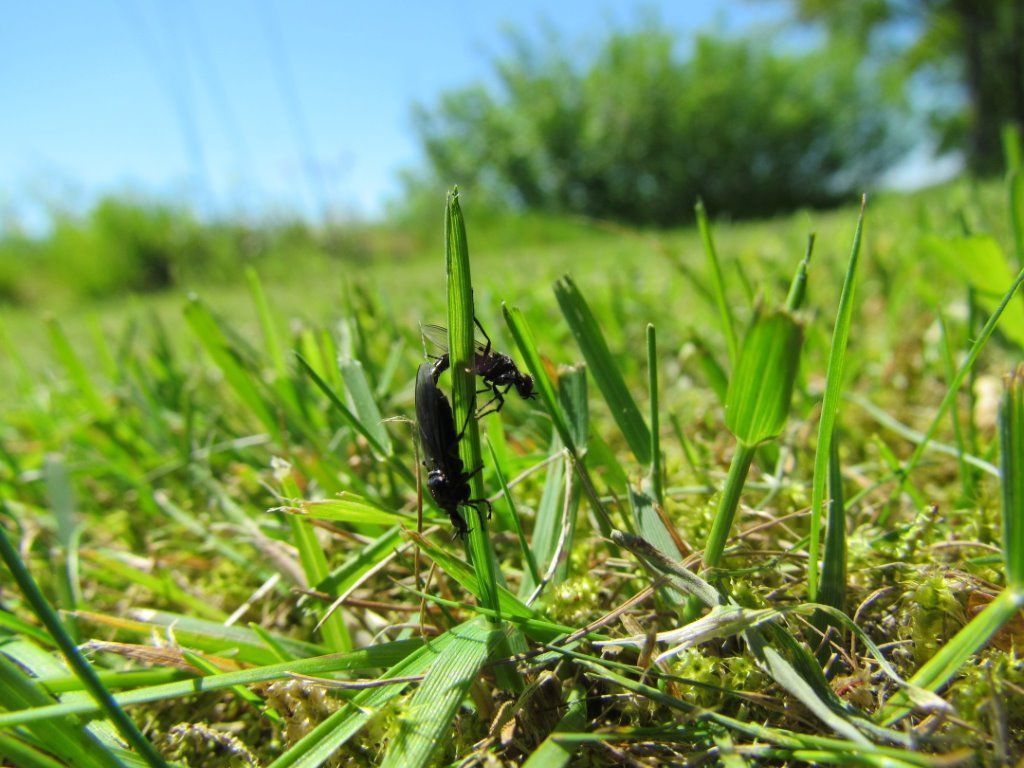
x=717, y=284
x=830, y=404
x=216, y=343
x=965, y=367
x=463, y=365
x=1011, y=444
x=604, y=368
x=833, y=569
x=657, y=486
x=532, y=575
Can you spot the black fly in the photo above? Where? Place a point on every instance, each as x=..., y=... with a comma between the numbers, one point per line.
x=447, y=479
x=496, y=369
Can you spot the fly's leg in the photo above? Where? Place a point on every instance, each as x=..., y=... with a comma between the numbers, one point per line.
x=487, y=347
x=477, y=503
x=498, y=398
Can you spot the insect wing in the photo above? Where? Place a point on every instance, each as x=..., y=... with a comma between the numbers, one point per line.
x=434, y=417
x=437, y=335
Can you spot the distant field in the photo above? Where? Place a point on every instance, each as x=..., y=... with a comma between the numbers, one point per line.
x=164, y=464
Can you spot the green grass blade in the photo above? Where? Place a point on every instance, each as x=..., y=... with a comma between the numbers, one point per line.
x=220, y=349
x=375, y=656
x=954, y=387
x=830, y=403
x=657, y=487
x=354, y=421
x=604, y=368
x=41, y=607
x=462, y=357
x=717, y=284
x=314, y=563
x=319, y=744
x=798, y=288
x=761, y=387
x=427, y=719
x=516, y=523
x=833, y=569
x=349, y=509
x=1011, y=444
x=76, y=369
x=25, y=756
x=66, y=738
x=523, y=336
x=364, y=403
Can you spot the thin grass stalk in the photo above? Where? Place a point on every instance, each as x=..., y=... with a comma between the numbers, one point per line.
x=657, y=484
x=830, y=404
x=90, y=680
x=728, y=504
x=717, y=283
x=461, y=314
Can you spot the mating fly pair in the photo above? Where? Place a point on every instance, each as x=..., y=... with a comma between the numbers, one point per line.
x=447, y=479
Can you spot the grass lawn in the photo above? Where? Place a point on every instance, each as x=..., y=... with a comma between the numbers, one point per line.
x=795, y=547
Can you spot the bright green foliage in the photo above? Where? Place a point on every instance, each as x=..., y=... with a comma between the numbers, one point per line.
x=761, y=387
x=186, y=533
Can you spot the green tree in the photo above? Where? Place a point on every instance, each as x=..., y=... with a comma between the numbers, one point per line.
x=637, y=130
x=976, y=46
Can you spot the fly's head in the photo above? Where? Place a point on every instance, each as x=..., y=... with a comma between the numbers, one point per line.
x=524, y=386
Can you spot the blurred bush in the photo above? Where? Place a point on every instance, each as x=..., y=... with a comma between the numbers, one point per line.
x=126, y=245
x=636, y=132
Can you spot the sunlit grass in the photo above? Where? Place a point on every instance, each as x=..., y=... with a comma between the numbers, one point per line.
x=229, y=495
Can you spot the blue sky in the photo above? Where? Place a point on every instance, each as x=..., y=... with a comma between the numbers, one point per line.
x=255, y=105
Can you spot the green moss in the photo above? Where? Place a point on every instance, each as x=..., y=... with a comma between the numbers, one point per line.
x=935, y=615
